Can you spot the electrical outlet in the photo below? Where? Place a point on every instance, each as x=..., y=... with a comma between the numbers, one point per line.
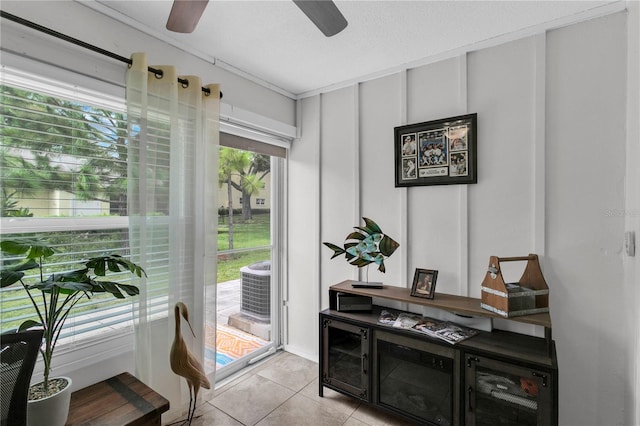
x=630, y=243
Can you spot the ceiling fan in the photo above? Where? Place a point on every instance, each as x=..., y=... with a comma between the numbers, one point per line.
x=185, y=15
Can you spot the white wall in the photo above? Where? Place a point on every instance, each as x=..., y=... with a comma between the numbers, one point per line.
x=632, y=216
x=552, y=120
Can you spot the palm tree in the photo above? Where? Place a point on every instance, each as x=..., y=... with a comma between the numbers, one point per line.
x=231, y=160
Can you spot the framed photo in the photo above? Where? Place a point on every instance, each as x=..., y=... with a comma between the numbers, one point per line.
x=424, y=283
x=439, y=152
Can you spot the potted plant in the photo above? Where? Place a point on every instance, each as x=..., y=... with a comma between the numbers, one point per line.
x=53, y=299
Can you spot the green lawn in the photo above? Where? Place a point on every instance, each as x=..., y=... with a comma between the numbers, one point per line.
x=253, y=233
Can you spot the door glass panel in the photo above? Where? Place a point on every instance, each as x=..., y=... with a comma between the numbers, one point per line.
x=242, y=306
x=345, y=357
x=416, y=382
x=505, y=399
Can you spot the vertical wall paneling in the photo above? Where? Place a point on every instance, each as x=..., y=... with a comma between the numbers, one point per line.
x=585, y=163
x=463, y=189
x=357, y=199
x=501, y=89
x=380, y=200
x=433, y=92
x=304, y=242
x=632, y=196
x=317, y=266
x=539, y=148
x=339, y=177
x=404, y=199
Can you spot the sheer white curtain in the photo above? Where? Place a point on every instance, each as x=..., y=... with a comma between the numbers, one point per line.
x=172, y=180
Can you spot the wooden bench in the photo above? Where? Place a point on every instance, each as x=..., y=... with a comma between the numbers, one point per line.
x=120, y=400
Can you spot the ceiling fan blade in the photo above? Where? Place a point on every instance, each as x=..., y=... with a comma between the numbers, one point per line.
x=324, y=14
x=185, y=15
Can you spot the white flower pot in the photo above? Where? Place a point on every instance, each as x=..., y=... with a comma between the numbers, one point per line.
x=52, y=410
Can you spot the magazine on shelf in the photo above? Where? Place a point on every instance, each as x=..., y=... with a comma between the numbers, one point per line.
x=387, y=317
x=444, y=330
x=407, y=320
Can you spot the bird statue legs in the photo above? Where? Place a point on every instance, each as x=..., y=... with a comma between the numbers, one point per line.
x=185, y=364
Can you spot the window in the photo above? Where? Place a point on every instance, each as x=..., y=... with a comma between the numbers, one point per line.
x=63, y=171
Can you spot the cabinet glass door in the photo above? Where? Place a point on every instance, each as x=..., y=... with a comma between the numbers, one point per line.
x=346, y=357
x=500, y=393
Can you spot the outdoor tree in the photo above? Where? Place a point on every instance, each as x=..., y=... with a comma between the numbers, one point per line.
x=54, y=144
x=243, y=171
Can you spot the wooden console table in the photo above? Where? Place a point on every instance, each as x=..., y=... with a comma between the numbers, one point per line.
x=120, y=400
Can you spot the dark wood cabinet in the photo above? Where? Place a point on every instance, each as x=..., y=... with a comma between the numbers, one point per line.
x=492, y=378
x=345, y=364
x=504, y=393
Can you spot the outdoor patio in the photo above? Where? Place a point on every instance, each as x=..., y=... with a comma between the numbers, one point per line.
x=228, y=343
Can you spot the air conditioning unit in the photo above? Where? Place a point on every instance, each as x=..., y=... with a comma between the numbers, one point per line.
x=256, y=290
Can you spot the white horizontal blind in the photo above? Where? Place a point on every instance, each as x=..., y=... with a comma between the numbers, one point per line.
x=63, y=177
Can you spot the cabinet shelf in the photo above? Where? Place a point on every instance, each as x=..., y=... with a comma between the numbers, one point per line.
x=449, y=302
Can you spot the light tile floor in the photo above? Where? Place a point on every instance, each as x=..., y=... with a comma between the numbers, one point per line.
x=283, y=391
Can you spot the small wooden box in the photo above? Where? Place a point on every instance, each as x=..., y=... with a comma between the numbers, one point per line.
x=528, y=296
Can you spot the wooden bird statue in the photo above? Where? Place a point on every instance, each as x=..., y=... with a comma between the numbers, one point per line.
x=185, y=364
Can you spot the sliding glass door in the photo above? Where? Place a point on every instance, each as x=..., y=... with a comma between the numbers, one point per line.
x=246, y=295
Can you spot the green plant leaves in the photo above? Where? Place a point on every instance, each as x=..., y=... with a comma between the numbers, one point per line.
x=113, y=263
x=34, y=247
x=66, y=287
x=12, y=274
x=71, y=285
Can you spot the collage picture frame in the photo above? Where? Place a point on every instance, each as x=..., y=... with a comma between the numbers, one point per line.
x=438, y=152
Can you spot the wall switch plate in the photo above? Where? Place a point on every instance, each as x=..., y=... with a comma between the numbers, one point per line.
x=630, y=243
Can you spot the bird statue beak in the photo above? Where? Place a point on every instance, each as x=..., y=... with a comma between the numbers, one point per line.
x=194, y=334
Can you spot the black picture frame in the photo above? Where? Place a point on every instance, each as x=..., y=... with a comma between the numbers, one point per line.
x=424, y=283
x=438, y=152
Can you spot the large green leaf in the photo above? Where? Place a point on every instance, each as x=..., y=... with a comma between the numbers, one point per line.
x=131, y=290
x=34, y=247
x=13, y=274
x=113, y=262
x=111, y=288
x=65, y=286
x=9, y=277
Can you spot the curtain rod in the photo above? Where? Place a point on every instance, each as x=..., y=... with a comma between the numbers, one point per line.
x=157, y=72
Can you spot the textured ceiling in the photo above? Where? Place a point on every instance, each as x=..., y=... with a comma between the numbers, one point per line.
x=276, y=43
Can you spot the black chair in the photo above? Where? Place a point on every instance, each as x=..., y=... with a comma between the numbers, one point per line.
x=18, y=355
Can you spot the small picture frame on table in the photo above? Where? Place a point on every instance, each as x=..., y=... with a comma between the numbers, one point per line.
x=424, y=283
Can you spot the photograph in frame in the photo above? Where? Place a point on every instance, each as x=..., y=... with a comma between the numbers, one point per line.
x=424, y=283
